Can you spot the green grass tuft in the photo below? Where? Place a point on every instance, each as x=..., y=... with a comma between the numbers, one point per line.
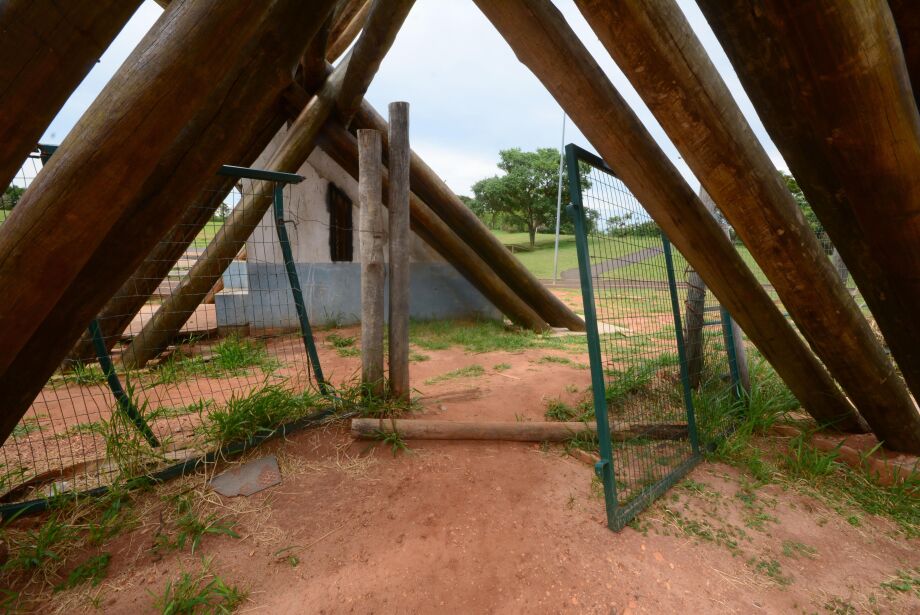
x=201, y=592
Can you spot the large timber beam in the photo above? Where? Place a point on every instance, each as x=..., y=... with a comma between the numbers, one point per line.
x=906, y=15
x=121, y=309
x=47, y=48
x=829, y=82
x=343, y=89
x=123, y=176
x=545, y=43
x=654, y=45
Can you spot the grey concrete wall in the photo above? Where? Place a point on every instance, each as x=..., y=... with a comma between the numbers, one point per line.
x=332, y=293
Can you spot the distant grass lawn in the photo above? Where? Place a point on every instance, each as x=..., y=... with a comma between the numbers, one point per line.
x=539, y=261
x=207, y=233
x=3, y=214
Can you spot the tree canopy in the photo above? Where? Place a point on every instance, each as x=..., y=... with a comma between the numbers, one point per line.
x=525, y=195
x=11, y=196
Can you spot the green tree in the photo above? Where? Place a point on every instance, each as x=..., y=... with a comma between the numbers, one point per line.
x=526, y=194
x=10, y=197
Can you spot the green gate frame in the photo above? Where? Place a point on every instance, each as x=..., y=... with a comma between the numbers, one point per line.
x=618, y=515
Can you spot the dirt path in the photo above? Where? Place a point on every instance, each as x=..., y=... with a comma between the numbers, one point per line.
x=466, y=527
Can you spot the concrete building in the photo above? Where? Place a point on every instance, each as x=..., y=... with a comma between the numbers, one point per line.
x=322, y=217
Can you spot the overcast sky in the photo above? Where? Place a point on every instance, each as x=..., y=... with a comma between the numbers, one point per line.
x=469, y=95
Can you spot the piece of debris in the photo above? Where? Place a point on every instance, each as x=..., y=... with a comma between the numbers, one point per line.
x=251, y=477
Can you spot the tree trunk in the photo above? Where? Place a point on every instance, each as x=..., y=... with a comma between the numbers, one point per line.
x=431, y=189
x=829, y=82
x=656, y=48
x=543, y=41
x=373, y=272
x=344, y=88
x=47, y=49
x=124, y=175
x=341, y=146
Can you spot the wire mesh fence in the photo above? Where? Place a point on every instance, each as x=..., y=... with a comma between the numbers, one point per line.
x=643, y=303
x=232, y=336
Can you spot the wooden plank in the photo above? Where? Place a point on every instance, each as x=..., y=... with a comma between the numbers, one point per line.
x=124, y=175
x=373, y=272
x=829, y=82
x=398, y=243
x=428, y=429
x=47, y=50
x=544, y=42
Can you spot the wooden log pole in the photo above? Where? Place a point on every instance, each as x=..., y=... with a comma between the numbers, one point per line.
x=341, y=146
x=344, y=88
x=829, y=82
x=433, y=191
x=120, y=311
x=347, y=27
x=906, y=15
x=155, y=132
x=47, y=49
x=694, y=322
x=373, y=272
x=654, y=45
x=398, y=243
x=544, y=42
x=549, y=431
x=733, y=343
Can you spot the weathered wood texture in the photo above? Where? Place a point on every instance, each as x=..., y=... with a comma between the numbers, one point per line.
x=124, y=175
x=434, y=192
x=345, y=87
x=427, y=429
x=373, y=269
x=121, y=309
x=398, y=244
x=829, y=82
x=341, y=146
x=47, y=49
x=907, y=19
x=653, y=44
x=135, y=292
x=346, y=28
x=545, y=43
x=736, y=342
x=694, y=322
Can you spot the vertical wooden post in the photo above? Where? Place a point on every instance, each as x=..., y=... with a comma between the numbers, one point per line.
x=372, y=268
x=399, y=249
x=735, y=341
x=694, y=321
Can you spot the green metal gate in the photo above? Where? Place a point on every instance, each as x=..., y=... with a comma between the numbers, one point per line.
x=648, y=436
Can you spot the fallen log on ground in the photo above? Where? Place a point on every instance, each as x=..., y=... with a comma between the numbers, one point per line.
x=548, y=431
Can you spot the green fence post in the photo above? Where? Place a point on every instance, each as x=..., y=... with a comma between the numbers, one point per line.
x=289, y=265
x=604, y=467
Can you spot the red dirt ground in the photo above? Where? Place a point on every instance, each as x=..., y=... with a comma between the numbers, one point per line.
x=472, y=527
